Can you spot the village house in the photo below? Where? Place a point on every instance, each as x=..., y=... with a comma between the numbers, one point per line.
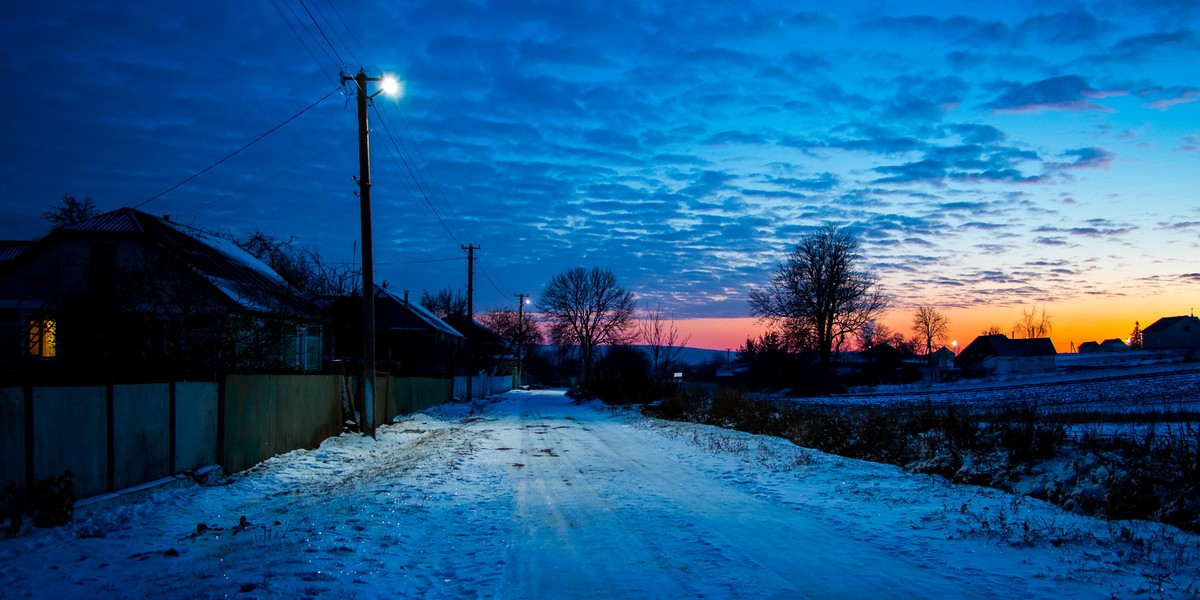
x=999, y=355
x=409, y=339
x=127, y=292
x=1172, y=332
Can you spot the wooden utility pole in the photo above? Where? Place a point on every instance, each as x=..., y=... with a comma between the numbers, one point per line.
x=368, y=266
x=520, y=336
x=470, y=317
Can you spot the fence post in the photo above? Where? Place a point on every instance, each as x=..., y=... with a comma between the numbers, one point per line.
x=29, y=445
x=221, y=419
x=110, y=436
x=171, y=427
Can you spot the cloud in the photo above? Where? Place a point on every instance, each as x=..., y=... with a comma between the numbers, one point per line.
x=1085, y=158
x=1067, y=93
x=1065, y=28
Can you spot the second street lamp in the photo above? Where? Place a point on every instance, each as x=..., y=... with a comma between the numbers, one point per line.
x=389, y=85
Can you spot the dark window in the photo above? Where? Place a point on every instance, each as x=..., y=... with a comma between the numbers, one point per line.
x=102, y=271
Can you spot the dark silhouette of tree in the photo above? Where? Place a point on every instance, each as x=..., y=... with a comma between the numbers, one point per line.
x=821, y=290
x=991, y=330
x=302, y=267
x=662, y=341
x=1033, y=324
x=930, y=326
x=446, y=304
x=587, y=309
x=1135, y=338
x=70, y=211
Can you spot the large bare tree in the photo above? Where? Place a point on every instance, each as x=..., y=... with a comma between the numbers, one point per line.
x=1033, y=324
x=70, y=211
x=821, y=288
x=587, y=309
x=930, y=326
x=662, y=340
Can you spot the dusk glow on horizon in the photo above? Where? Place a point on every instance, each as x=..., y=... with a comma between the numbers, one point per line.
x=990, y=157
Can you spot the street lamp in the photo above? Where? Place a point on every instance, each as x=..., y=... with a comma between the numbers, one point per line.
x=368, y=274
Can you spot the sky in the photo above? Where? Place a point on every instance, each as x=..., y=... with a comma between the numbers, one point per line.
x=991, y=157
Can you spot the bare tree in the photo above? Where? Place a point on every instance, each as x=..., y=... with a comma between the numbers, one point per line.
x=930, y=326
x=587, y=309
x=1033, y=324
x=992, y=330
x=70, y=210
x=662, y=341
x=820, y=288
x=302, y=267
x=447, y=303
x=517, y=331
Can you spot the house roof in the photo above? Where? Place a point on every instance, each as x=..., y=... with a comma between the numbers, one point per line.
x=11, y=249
x=239, y=276
x=1114, y=344
x=1166, y=323
x=985, y=346
x=420, y=312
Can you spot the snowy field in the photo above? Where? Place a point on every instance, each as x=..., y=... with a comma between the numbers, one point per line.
x=531, y=496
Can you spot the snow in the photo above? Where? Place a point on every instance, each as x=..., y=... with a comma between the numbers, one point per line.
x=529, y=495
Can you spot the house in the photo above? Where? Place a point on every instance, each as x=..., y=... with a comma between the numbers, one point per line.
x=1172, y=332
x=132, y=293
x=488, y=351
x=999, y=355
x=409, y=339
x=1114, y=345
x=1088, y=348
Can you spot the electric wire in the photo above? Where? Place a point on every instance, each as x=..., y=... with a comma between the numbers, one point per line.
x=341, y=62
x=299, y=38
x=236, y=152
x=310, y=35
x=408, y=167
x=333, y=29
x=429, y=168
x=279, y=174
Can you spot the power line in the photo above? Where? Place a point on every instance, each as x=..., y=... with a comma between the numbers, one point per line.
x=299, y=38
x=235, y=152
x=424, y=196
x=283, y=172
x=341, y=62
x=310, y=35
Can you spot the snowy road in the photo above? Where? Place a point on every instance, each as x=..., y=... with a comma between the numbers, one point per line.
x=532, y=496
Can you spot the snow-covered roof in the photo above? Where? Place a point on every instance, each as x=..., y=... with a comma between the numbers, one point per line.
x=245, y=280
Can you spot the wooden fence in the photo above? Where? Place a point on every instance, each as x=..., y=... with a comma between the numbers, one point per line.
x=117, y=436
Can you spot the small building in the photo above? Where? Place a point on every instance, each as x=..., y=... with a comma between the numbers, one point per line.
x=1114, y=345
x=1088, y=348
x=999, y=355
x=1172, y=332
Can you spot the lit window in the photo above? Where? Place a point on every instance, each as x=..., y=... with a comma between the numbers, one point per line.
x=42, y=338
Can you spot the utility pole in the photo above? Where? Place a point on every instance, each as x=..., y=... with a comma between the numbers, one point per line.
x=520, y=337
x=470, y=317
x=368, y=265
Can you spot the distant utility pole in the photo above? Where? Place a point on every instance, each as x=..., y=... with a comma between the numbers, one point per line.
x=520, y=336
x=470, y=316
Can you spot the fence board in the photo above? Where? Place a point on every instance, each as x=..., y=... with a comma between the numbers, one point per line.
x=12, y=436
x=70, y=432
x=141, y=433
x=195, y=425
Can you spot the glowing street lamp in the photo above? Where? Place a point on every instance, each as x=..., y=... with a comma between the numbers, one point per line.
x=368, y=268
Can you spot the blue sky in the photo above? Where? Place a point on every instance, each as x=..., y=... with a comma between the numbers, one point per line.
x=988, y=154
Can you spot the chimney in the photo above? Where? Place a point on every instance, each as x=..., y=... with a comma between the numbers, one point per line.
x=167, y=218
x=405, y=297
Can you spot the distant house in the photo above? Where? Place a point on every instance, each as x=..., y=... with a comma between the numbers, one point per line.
x=943, y=358
x=1114, y=345
x=1172, y=332
x=489, y=351
x=409, y=339
x=129, y=292
x=1088, y=348
x=999, y=355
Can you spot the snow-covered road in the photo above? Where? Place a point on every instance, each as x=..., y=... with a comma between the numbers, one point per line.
x=533, y=496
